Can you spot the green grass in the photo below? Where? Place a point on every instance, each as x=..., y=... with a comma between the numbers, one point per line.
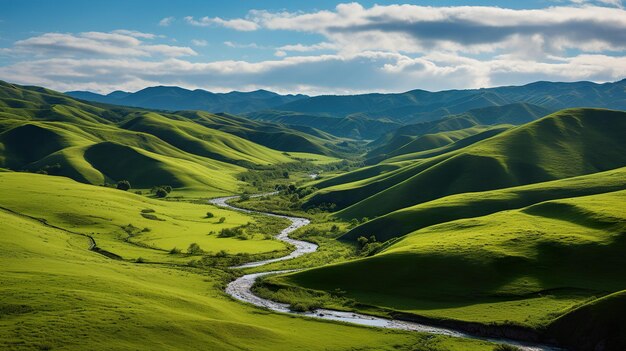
x=522, y=267
x=467, y=205
x=565, y=144
x=104, y=212
x=97, y=144
x=56, y=294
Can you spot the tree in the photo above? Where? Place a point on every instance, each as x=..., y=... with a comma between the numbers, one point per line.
x=123, y=185
x=194, y=249
x=222, y=220
x=286, y=175
x=362, y=241
x=167, y=188
x=210, y=215
x=161, y=192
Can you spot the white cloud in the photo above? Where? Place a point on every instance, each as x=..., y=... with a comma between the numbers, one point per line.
x=380, y=48
x=470, y=29
x=234, y=45
x=165, y=22
x=117, y=43
x=236, y=24
x=363, y=72
x=199, y=42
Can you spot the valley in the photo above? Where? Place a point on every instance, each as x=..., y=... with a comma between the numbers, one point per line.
x=490, y=228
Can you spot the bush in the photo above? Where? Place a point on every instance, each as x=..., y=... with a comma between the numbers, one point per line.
x=123, y=185
x=140, y=260
x=194, y=249
x=244, y=197
x=222, y=220
x=161, y=193
x=167, y=188
x=174, y=251
x=210, y=215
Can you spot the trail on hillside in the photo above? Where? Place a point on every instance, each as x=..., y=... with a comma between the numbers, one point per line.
x=241, y=289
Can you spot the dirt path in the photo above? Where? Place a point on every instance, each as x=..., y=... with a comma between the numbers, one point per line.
x=241, y=289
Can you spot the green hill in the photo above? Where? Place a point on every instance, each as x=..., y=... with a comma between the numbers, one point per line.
x=45, y=131
x=522, y=267
x=565, y=144
x=468, y=205
x=59, y=294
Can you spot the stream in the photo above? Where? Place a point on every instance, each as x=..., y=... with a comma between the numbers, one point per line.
x=241, y=289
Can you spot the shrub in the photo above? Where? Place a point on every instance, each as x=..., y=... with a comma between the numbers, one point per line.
x=167, y=188
x=194, y=249
x=286, y=175
x=244, y=197
x=140, y=260
x=161, y=193
x=123, y=185
x=362, y=241
x=210, y=215
x=174, y=251
x=222, y=220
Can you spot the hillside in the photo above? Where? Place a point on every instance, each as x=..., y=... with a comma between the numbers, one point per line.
x=355, y=126
x=468, y=205
x=565, y=144
x=58, y=292
x=100, y=144
x=176, y=98
x=525, y=267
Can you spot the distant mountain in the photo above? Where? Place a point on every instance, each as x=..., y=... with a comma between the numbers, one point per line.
x=355, y=126
x=420, y=105
x=176, y=99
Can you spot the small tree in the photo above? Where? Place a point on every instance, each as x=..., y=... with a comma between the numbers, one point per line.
x=244, y=197
x=123, y=185
x=161, y=192
x=222, y=220
x=194, y=249
x=167, y=188
x=210, y=215
x=362, y=241
x=286, y=175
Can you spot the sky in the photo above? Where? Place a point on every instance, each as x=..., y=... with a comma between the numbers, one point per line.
x=309, y=47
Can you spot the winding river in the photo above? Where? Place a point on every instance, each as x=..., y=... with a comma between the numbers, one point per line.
x=241, y=289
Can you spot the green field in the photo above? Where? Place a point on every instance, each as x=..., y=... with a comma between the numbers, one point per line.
x=524, y=267
x=56, y=294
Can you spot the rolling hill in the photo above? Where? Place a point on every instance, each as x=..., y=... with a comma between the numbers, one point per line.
x=99, y=144
x=540, y=267
x=565, y=144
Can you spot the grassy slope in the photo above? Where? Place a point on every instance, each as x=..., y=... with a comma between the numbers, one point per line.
x=104, y=211
x=565, y=144
x=467, y=205
x=523, y=266
x=58, y=295
x=87, y=141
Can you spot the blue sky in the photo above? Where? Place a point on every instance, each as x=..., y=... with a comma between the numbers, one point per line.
x=309, y=47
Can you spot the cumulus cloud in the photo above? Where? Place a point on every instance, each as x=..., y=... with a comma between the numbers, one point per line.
x=363, y=72
x=380, y=48
x=116, y=43
x=475, y=29
x=199, y=42
x=239, y=24
x=165, y=22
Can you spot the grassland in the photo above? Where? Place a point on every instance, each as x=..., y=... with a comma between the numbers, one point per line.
x=98, y=144
x=525, y=267
x=565, y=144
x=57, y=294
